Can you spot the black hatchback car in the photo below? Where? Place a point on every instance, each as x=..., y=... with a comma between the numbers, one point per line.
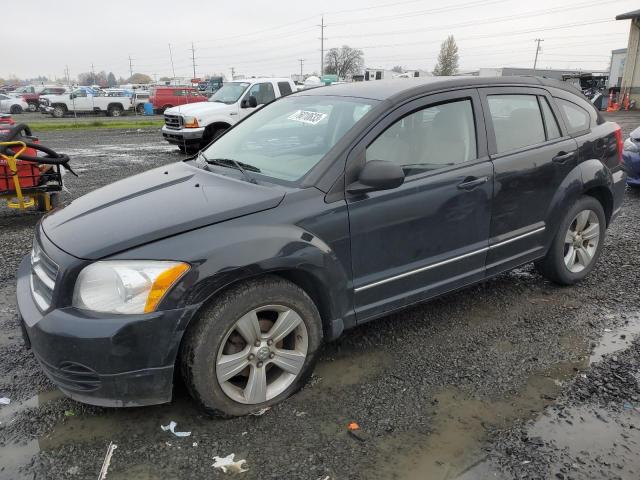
x=323, y=210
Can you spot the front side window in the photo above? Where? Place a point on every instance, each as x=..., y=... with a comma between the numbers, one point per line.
x=229, y=93
x=288, y=138
x=578, y=119
x=517, y=121
x=80, y=93
x=432, y=138
x=179, y=93
x=263, y=92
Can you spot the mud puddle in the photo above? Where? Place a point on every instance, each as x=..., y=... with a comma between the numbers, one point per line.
x=454, y=449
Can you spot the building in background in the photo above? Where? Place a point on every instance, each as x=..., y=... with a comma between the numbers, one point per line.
x=540, y=72
x=631, y=75
x=616, y=68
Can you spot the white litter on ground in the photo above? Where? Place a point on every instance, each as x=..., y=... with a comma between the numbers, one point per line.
x=5, y=401
x=172, y=428
x=227, y=465
x=259, y=413
x=107, y=461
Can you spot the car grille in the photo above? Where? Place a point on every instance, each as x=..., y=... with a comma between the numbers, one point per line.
x=43, y=277
x=173, y=121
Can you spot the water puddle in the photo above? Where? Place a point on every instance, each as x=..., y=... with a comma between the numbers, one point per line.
x=351, y=368
x=460, y=422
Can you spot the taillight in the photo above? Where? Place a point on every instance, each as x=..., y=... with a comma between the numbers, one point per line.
x=618, y=133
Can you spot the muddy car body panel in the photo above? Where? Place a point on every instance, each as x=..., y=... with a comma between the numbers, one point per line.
x=359, y=253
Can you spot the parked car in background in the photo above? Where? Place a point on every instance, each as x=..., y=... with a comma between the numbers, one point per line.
x=33, y=99
x=163, y=98
x=631, y=156
x=210, y=86
x=12, y=104
x=82, y=100
x=138, y=99
x=323, y=210
x=192, y=127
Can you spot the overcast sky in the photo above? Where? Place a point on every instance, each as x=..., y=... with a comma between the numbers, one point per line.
x=257, y=39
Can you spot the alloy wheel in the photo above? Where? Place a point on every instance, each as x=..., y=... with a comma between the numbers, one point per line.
x=581, y=241
x=262, y=354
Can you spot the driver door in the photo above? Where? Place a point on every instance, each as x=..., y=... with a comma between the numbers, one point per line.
x=429, y=235
x=263, y=92
x=82, y=102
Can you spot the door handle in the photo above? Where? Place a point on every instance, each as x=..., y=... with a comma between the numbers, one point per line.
x=470, y=183
x=563, y=157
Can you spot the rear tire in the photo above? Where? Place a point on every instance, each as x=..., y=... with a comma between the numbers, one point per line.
x=33, y=107
x=114, y=111
x=163, y=108
x=140, y=109
x=216, y=335
x=577, y=245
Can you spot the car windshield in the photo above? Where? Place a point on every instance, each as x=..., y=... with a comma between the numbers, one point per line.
x=230, y=92
x=288, y=138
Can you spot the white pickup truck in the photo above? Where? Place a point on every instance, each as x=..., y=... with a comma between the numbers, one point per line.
x=84, y=101
x=192, y=127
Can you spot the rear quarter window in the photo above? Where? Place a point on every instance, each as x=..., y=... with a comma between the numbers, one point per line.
x=285, y=88
x=577, y=118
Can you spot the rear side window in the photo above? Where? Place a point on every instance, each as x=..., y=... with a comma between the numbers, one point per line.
x=517, y=121
x=285, y=88
x=263, y=92
x=550, y=122
x=578, y=119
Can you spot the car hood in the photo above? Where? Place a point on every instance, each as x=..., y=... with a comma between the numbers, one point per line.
x=198, y=108
x=156, y=204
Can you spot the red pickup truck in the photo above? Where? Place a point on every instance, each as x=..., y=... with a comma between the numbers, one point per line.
x=33, y=98
x=166, y=97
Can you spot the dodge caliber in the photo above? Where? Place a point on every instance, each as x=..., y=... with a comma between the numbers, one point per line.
x=321, y=211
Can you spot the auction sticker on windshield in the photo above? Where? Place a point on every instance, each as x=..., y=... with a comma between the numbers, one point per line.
x=304, y=116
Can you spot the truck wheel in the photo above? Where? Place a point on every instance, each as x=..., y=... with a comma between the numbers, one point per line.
x=577, y=245
x=32, y=107
x=163, y=108
x=114, y=111
x=58, y=111
x=140, y=108
x=252, y=347
x=211, y=136
x=15, y=109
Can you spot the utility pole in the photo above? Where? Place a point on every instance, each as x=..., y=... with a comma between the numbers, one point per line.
x=66, y=75
x=535, y=62
x=130, y=67
x=301, y=60
x=172, y=69
x=233, y=73
x=322, y=39
x=193, y=59
x=93, y=74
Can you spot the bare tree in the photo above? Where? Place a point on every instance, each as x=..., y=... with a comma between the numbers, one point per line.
x=447, y=59
x=344, y=61
x=139, y=78
x=398, y=69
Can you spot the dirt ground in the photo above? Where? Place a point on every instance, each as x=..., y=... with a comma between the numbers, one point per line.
x=511, y=379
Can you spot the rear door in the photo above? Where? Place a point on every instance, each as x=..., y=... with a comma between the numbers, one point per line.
x=532, y=155
x=429, y=235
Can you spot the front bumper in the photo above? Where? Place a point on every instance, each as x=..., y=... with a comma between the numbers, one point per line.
x=106, y=360
x=184, y=136
x=632, y=165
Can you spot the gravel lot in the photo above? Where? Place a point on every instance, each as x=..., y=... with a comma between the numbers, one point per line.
x=514, y=378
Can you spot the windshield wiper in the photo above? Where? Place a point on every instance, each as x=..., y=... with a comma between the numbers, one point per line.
x=231, y=163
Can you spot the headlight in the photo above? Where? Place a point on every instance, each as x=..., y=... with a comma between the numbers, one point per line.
x=191, y=122
x=631, y=146
x=129, y=286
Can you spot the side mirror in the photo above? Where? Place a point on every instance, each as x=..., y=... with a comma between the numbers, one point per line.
x=249, y=102
x=377, y=175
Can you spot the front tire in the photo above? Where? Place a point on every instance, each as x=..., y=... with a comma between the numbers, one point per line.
x=15, y=109
x=252, y=347
x=58, y=111
x=577, y=245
